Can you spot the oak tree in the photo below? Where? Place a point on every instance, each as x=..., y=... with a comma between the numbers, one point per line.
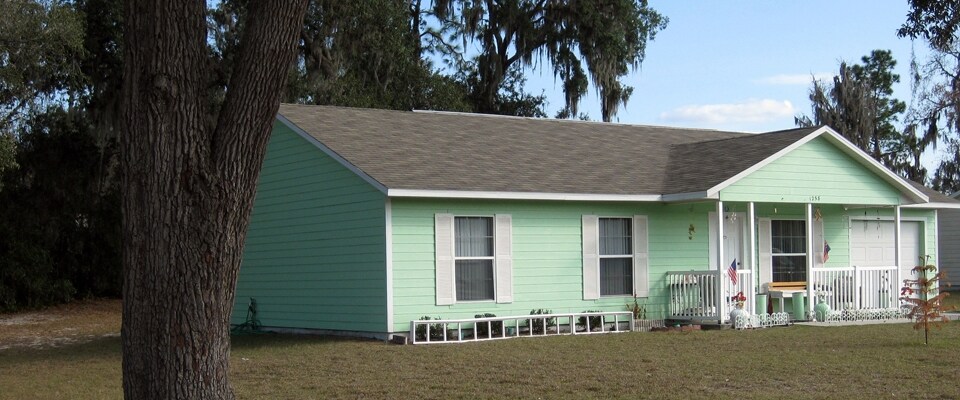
x=189, y=176
x=609, y=37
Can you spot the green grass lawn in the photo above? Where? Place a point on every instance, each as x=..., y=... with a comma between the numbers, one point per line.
x=877, y=361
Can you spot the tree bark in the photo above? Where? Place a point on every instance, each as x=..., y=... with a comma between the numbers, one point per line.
x=188, y=188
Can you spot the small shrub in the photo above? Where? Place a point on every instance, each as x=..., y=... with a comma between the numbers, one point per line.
x=495, y=326
x=595, y=320
x=436, y=330
x=639, y=310
x=537, y=324
x=925, y=311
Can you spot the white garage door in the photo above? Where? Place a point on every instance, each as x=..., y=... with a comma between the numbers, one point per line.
x=872, y=245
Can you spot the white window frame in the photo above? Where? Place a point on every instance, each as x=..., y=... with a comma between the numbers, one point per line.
x=631, y=256
x=492, y=257
x=774, y=255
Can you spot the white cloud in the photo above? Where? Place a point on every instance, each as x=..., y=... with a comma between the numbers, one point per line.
x=750, y=111
x=794, y=79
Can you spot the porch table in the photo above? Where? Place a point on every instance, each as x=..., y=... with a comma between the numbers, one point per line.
x=782, y=293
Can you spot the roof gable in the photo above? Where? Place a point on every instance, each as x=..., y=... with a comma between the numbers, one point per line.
x=815, y=172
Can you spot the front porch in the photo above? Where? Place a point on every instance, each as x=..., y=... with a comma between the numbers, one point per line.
x=785, y=276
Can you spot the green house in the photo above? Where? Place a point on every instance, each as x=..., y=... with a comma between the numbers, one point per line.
x=366, y=220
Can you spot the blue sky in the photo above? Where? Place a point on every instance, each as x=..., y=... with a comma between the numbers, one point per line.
x=747, y=65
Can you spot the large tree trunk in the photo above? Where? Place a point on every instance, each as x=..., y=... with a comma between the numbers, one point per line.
x=188, y=188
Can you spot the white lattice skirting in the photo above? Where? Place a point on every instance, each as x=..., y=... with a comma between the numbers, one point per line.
x=761, y=320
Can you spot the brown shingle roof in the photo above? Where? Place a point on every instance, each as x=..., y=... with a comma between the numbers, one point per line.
x=473, y=152
x=935, y=196
x=703, y=165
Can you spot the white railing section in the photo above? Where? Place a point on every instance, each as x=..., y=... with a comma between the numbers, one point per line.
x=707, y=295
x=494, y=328
x=857, y=288
x=693, y=295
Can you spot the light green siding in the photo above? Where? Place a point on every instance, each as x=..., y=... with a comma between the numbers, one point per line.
x=547, y=250
x=315, y=252
x=547, y=266
x=837, y=221
x=816, y=172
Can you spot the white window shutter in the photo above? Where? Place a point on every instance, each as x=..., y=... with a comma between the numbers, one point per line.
x=818, y=243
x=591, y=259
x=503, y=248
x=641, y=260
x=443, y=226
x=765, y=248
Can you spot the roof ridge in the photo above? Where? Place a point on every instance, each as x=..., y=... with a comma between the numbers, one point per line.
x=574, y=121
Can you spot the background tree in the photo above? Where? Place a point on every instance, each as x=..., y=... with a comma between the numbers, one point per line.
x=59, y=236
x=859, y=106
x=936, y=83
x=608, y=36
x=60, y=220
x=40, y=43
x=933, y=20
x=847, y=106
x=342, y=61
x=188, y=186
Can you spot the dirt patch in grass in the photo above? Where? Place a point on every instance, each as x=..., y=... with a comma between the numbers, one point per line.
x=76, y=322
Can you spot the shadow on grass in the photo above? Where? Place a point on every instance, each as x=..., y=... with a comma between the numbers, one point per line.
x=96, y=348
x=260, y=340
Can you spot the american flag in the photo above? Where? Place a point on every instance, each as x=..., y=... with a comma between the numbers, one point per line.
x=732, y=271
x=826, y=251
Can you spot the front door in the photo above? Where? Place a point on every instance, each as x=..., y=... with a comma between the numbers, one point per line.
x=734, y=250
x=734, y=240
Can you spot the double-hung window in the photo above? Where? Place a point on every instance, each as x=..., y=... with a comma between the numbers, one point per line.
x=788, y=250
x=473, y=258
x=616, y=256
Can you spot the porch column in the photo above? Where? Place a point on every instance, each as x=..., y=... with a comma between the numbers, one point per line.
x=896, y=245
x=754, y=274
x=721, y=304
x=810, y=255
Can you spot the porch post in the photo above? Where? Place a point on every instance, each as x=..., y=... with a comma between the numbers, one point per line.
x=810, y=256
x=720, y=281
x=896, y=247
x=752, y=248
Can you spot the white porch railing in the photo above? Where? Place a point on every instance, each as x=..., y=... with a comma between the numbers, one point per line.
x=857, y=288
x=707, y=295
x=494, y=328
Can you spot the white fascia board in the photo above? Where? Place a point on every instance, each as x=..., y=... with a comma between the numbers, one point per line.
x=677, y=197
x=933, y=205
x=328, y=151
x=845, y=146
x=464, y=194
